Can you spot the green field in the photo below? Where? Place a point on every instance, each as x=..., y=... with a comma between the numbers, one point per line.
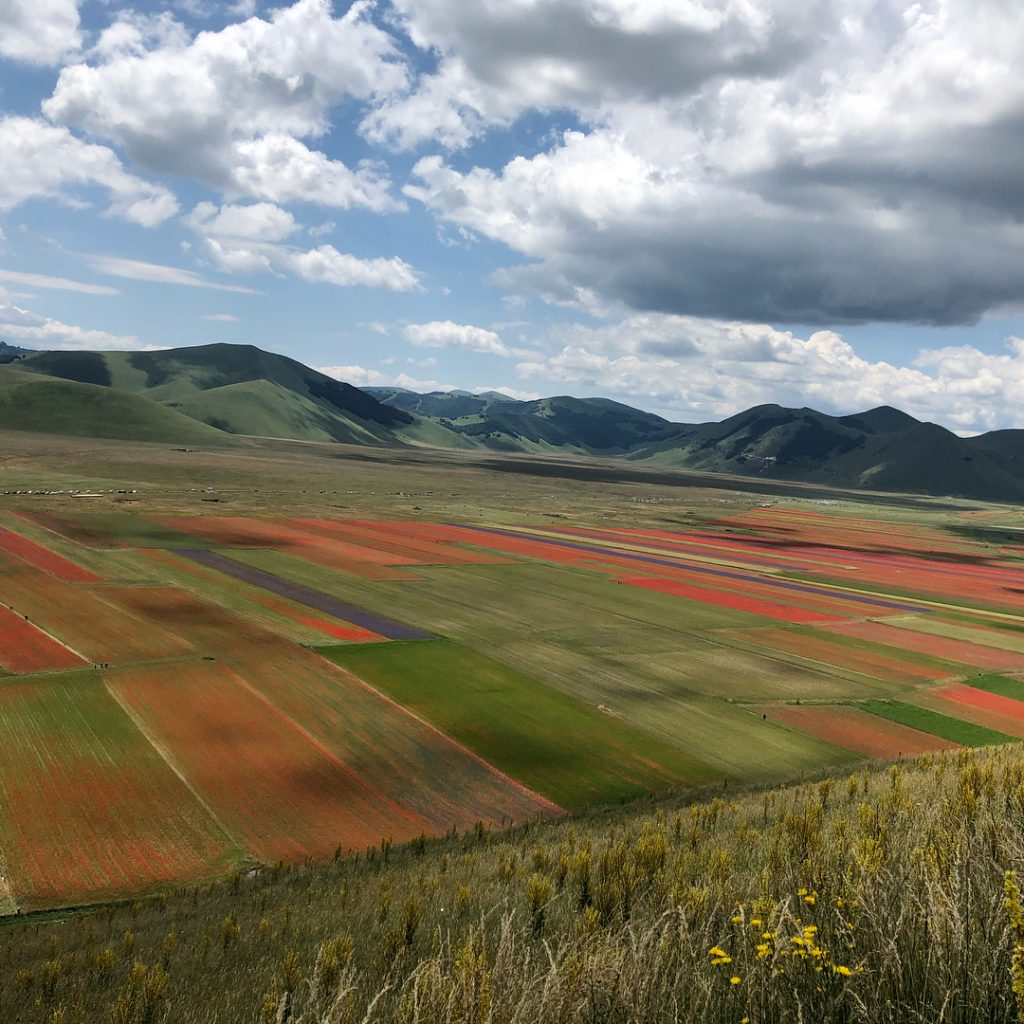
x=623, y=648
x=574, y=754
x=1003, y=686
x=949, y=728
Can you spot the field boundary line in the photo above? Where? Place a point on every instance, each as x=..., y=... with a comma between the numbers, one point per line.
x=56, y=639
x=318, y=745
x=170, y=762
x=539, y=797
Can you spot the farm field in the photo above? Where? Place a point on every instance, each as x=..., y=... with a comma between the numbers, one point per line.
x=253, y=675
x=91, y=810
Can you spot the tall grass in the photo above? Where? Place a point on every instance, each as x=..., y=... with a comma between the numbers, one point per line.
x=888, y=896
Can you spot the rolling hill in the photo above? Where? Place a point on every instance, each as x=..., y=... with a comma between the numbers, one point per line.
x=50, y=405
x=8, y=352
x=210, y=392
x=240, y=389
x=881, y=449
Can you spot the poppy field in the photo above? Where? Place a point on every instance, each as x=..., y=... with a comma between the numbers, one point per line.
x=182, y=694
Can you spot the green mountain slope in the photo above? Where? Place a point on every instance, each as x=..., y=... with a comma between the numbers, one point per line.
x=29, y=401
x=241, y=389
x=8, y=352
x=882, y=449
x=1004, y=447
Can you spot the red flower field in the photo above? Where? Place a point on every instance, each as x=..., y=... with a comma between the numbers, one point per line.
x=41, y=558
x=25, y=648
x=856, y=730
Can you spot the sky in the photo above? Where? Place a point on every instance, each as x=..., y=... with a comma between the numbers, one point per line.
x=692, y=206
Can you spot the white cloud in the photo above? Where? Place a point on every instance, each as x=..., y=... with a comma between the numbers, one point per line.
x=445, y=334
x=359, y=376
x=39, y=161
x=517, y=394
x=132, y=34
x=56, y=283
x=245, y=240
x=284, y=170
x=842, y=162
x=38, y=31
x=221, y=318
x=327, y=265
x=157, y=273
x=20, y=325
x=230, y=107
x=497, y=59
x=691, y=369
x=263, y=222
x=363, y=377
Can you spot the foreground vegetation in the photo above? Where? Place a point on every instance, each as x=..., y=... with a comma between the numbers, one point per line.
x=889, y=895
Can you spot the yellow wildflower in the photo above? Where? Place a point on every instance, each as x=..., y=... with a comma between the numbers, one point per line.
x=842, y=969
x=734, y=980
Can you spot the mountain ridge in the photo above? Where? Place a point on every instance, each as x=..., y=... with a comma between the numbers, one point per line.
x=219, y=393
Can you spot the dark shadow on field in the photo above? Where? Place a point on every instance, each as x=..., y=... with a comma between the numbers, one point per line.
x=948, y=557
x=988, y=534
x=690, y=479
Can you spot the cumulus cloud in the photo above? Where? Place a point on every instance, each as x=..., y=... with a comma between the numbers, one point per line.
x=263, y=222
x=246, y=240
x=21, y=325
x=231, y=107
x=501, y=57
x=329, y=266
x=871, y=176
x=446, y=334
x=38, y=161
x=695, y=369
x=363, y=377
x=38, y=31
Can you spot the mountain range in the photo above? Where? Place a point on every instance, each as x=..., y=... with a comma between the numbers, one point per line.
x=215, y=393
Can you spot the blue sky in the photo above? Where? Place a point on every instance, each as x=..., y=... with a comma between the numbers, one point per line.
x=692, y=206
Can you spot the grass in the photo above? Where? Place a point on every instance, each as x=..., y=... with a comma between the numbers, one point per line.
x=570, y=752
x=1003, y=686
x=48, y=405
x=954, y=729
x=823, y=901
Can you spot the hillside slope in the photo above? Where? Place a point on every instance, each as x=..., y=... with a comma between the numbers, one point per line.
x=49, y=405
x=240, y=389
x=1004, y=447
x=882, y=449
x=243, y=390
x=880, y=898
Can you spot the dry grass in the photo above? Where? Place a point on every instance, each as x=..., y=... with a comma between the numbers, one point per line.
x=881, y=898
